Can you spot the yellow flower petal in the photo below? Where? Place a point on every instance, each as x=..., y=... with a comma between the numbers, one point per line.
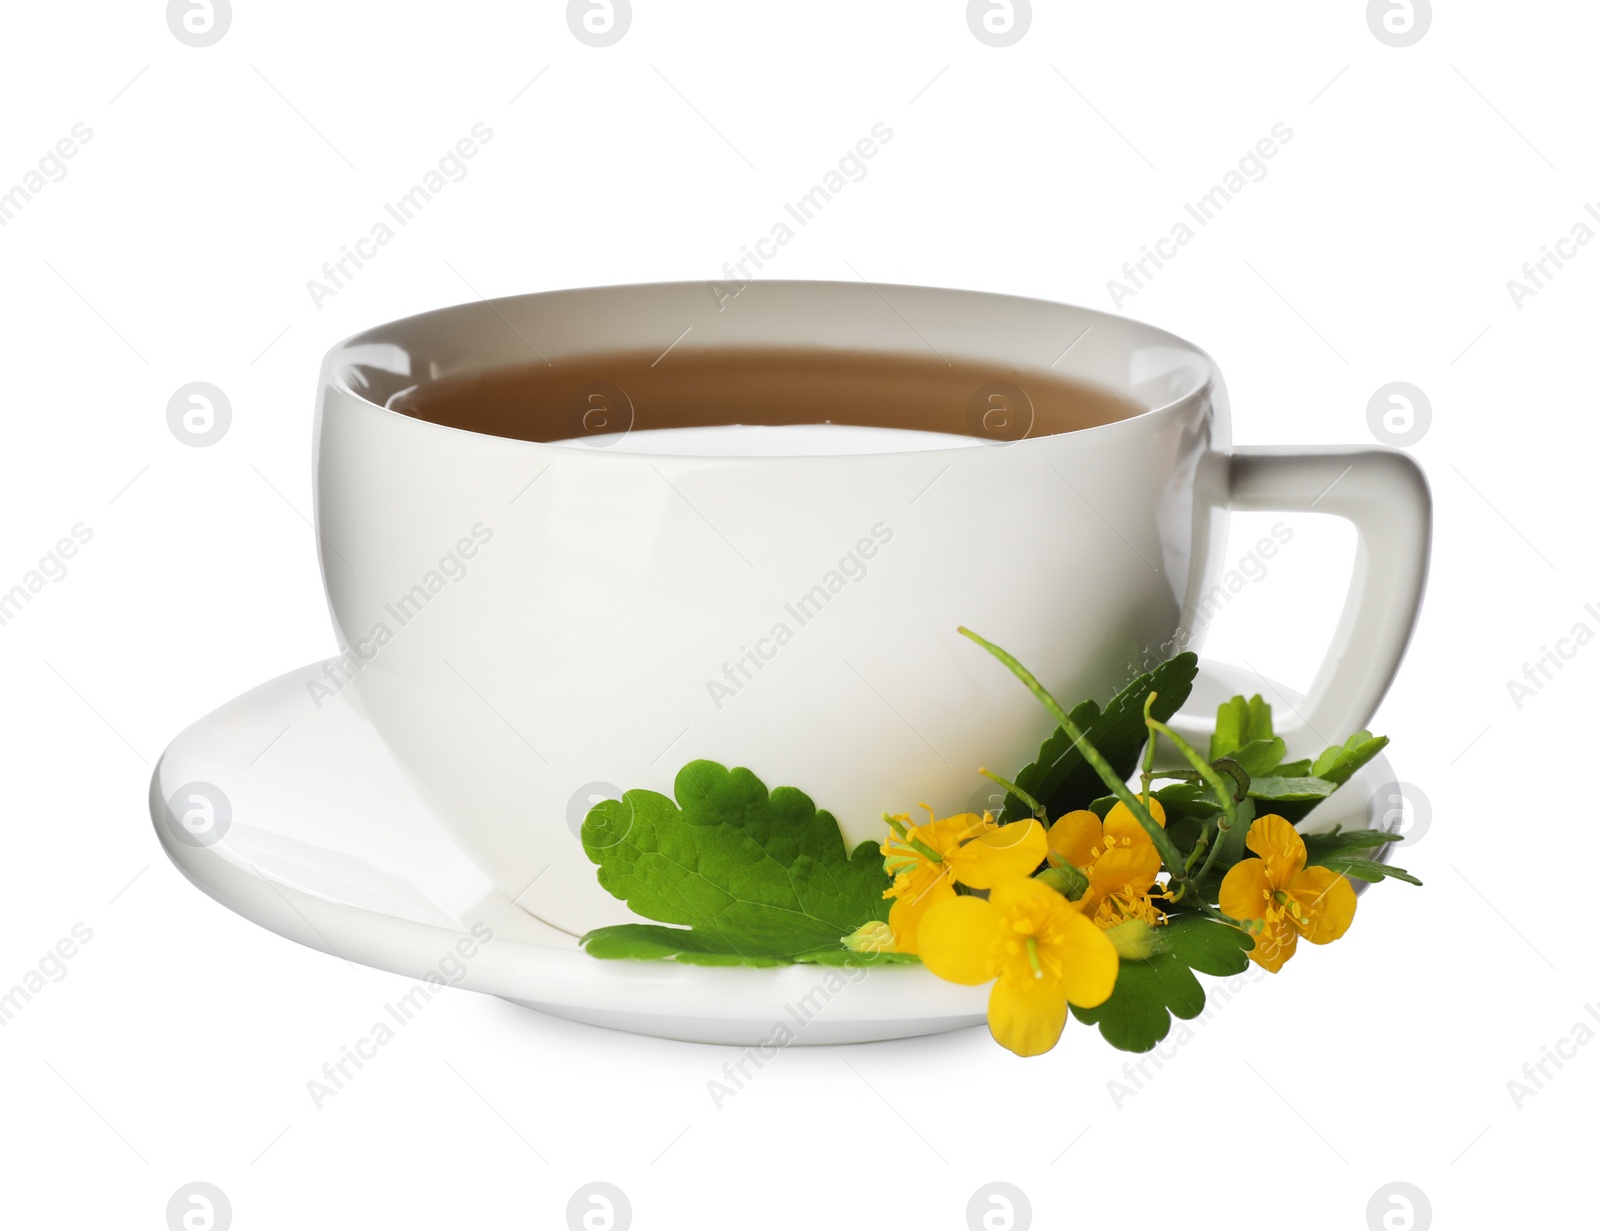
x=1275, y=943
x=1327, y=902
x=1005, y=853
x=948, y=833
x=1088, y=960
x=961, y=939
x=1026, y=1015
x=1073, y=955
x=922, y=894
x=1246, y=892
x=1024, y=900
x=1280, y=847
x=1122, y=826
x=1074, y=836
x=1125, y=868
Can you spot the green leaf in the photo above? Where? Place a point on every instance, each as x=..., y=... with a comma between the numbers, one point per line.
x=843, y=957
x=1241, y=722
x=1260, y=756
x=1294, y=789
x=1273, y=789
x=1290, y=798
x=758, y=878
x=1337, y=841
x=1182, y=799
x=1062, y=780
x=1232, y=718
x=1150, y=992
x=1366, y=869
x=1338, y=764
x=651, y=940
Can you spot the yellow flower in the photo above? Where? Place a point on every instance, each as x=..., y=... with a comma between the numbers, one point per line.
x=1119, y=859
x=1289, y=899
x=1040, y=952
x=927, y=860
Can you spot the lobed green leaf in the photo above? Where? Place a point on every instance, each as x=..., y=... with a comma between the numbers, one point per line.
x=755, y=876
x=1151, y=991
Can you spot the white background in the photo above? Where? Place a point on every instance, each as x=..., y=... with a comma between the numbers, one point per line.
x=178, y=247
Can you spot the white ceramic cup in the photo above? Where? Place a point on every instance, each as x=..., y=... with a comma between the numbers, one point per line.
x=532, y=626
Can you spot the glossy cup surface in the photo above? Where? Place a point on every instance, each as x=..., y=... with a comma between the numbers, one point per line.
x=530, y=626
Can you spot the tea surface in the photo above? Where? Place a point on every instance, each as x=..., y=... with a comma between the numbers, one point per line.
x=615, y=392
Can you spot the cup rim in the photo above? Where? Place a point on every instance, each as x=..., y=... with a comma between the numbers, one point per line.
x=338, y=366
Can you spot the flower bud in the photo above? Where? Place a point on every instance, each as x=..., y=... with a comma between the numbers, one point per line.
x=1066, y=880
x=1134, y=940
x=874, y=936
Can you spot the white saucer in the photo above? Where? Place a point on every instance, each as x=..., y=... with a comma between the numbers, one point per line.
x=321, y=839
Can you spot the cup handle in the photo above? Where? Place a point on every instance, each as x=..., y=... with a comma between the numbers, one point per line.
x=1384, y=494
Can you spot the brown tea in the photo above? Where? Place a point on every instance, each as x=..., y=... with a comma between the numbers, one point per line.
x=613, y=392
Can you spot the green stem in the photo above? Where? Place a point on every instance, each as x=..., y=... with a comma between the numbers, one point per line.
x=1038, y=808
x=1213, y=912
x=1223, y=825
x=1148, y=772
x=1163, y=844
x=1221, y=788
